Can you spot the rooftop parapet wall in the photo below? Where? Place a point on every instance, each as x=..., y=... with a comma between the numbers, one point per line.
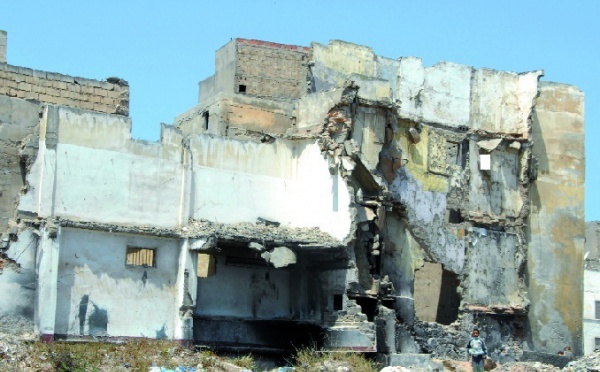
x=89, y=169
x=450, y=94
x=110, y=97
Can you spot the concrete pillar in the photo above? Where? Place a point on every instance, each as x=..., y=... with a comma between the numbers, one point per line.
x=187, y=287
x=47, y=259
x=556, y=226
x=3, y=40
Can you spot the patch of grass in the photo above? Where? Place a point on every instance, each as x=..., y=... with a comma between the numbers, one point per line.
x=91, y=356
x=310, y=360
x=246, y=361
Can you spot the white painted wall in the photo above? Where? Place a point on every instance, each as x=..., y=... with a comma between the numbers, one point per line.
x=128, y=182
x=288, y=182
x=139, y=301
x=591, y=325
x=96, y=173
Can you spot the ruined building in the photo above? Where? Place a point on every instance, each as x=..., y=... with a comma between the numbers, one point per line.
x=322, y=195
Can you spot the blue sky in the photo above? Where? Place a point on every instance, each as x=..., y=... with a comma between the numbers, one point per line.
x=164, y=48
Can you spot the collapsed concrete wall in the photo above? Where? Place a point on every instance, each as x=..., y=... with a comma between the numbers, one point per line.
x=366, y=203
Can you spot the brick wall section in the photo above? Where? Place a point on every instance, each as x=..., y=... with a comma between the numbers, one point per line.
x=271, y=69
x=111, y=97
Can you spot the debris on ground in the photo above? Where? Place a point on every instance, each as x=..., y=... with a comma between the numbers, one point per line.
x=18, y=354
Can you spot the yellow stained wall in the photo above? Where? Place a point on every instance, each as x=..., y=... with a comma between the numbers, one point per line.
x=418, y=155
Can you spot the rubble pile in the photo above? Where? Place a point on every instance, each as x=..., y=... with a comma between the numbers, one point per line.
x=19, y=354
x=263, y=230
x=589, y=362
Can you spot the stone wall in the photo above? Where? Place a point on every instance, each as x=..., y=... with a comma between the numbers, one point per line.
x=111, y=97
x=270, y=69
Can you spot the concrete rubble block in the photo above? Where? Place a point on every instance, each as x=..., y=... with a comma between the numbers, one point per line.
x=256, y=246
x=348, y=164
x=489, y=145
x=202, y=244
x=364, y=214
x=351, y=336
x=280, y=257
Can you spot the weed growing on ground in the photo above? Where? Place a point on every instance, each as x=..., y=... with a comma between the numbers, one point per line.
x=310, y=360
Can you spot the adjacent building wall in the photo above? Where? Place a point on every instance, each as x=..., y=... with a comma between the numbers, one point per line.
x=102, y=96
x=591, y=309
x=267, y=69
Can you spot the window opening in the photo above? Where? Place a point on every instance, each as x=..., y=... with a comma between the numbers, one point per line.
x=453, y=216
x=597, y=309
x=242, y=88
x=338, y=302
x=205, y=115
x=137, y=256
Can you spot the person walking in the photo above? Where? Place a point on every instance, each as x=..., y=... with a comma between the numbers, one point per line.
x=477, y=351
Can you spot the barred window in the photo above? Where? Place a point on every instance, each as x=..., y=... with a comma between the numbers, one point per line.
x=137, y=256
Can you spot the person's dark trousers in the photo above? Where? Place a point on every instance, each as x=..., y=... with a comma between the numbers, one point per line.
x=477, y=363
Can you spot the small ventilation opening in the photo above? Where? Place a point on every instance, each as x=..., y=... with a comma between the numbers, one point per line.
x=241, y=88
x=205, y=116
